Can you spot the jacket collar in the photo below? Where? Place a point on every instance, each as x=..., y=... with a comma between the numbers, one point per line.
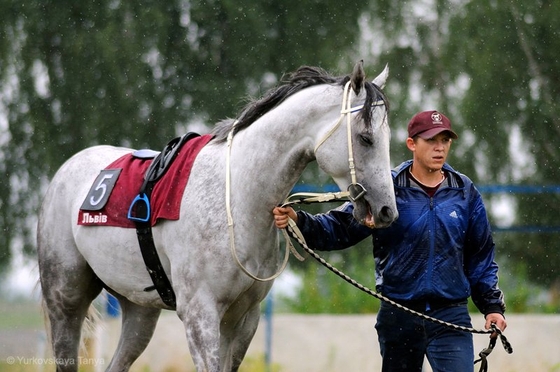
x=401, y=180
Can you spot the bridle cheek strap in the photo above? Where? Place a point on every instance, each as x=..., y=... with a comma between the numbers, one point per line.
x=355, y=190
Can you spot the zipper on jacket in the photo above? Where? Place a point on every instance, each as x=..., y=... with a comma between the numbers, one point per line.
x=430, y=266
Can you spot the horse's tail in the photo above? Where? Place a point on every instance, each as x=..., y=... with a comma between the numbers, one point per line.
x=44, y=312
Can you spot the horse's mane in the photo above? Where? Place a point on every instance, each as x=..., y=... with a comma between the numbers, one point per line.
x=303, y=77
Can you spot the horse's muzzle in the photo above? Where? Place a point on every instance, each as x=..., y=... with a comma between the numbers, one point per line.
x=387, y=215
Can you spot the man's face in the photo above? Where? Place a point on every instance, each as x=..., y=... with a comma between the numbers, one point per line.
x=430, y=153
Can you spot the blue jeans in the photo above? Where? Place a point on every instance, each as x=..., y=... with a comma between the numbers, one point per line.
x=404, y=340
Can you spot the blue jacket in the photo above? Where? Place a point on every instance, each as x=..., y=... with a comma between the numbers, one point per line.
x=440, y=247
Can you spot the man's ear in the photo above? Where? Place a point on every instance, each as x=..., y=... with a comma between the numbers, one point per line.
x=410, y=144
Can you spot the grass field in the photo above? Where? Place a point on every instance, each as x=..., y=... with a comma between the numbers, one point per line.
x=20, y=324
x=20, y=314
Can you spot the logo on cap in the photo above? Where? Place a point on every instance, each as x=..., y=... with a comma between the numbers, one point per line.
x=436, y=118
x=428, y=124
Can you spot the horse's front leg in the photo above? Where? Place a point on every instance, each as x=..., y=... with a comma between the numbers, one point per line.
x=202, y=326
x=242, y=336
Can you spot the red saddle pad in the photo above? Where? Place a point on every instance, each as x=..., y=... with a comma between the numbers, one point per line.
x=166, y=195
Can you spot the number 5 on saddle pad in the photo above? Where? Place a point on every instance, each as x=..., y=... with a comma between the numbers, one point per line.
x=101, y=189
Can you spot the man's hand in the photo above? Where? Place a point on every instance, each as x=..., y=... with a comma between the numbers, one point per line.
x=497, y=319
x=282, y=215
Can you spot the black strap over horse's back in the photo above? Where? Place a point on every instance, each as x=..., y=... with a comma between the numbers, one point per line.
x=140, y=213
x=161, y=163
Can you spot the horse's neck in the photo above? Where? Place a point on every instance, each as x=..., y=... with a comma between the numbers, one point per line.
x=269, y=156
x=269, y=167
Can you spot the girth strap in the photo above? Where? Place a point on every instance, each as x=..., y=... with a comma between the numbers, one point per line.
x=140, y=213
x=153, y=264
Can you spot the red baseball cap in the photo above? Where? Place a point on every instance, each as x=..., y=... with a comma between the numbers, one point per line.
x=427, y=124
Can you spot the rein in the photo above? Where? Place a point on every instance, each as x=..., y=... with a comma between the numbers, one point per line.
x=355, y=190
x=296, y=234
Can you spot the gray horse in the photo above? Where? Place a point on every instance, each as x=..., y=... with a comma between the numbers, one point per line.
x=225, y=208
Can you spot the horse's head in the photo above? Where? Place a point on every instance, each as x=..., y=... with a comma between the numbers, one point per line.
x=355, y=151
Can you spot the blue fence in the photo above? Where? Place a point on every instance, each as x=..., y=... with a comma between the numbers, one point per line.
x=484, y=189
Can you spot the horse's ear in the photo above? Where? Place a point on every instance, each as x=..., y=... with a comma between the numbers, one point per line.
x=381, y=79
x=358, y=77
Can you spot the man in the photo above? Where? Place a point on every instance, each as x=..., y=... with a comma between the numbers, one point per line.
x=439, y=252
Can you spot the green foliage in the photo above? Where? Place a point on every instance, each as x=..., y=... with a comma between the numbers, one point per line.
x=76, y=74
x=325, y=292
x=492, y=66
x=524, y=291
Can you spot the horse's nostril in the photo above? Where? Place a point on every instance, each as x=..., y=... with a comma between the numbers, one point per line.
x=386, y=215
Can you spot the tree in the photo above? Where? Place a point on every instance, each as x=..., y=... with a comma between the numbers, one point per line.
x=516, y=90
x=492, y=67
x=76, y=74
x=137, y=74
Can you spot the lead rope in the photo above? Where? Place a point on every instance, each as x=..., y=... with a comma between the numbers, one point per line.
x=294, y=232
x=485, y=352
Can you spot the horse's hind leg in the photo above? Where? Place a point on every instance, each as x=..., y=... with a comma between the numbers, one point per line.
x=138, y=325
x=68, y=287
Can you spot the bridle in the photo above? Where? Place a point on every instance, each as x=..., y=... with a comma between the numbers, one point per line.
x=354, y=192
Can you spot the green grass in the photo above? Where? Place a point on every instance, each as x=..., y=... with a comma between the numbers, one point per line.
x=249, y=365
x=30, y=367
x=17, y=367
x=20, y=314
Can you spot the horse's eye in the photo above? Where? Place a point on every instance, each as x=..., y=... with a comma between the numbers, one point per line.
x=365, y=140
